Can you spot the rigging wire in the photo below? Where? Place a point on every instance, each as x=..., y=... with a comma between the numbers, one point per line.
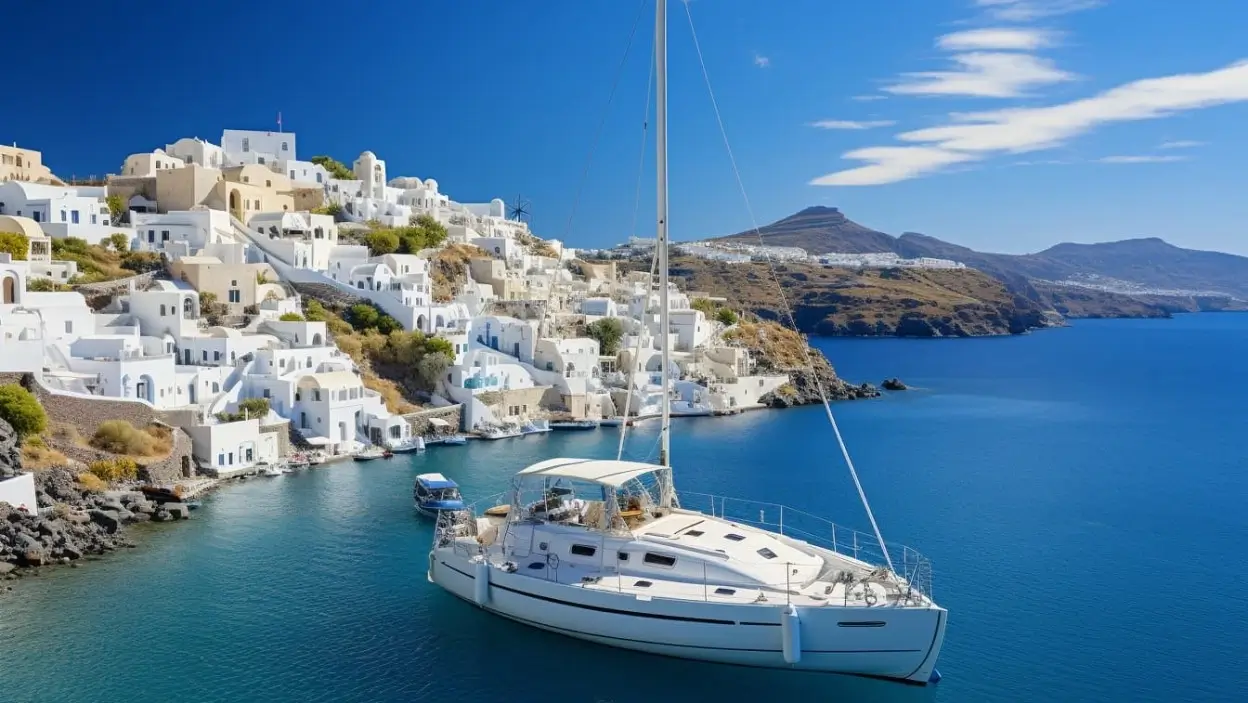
x=606, y=110
x=631, y=375
x=823, y=396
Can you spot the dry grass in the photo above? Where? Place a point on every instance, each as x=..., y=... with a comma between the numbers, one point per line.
x=122, y=438
x=91, y=482
x=449, y=268
x=781, y=346
x=37, y=455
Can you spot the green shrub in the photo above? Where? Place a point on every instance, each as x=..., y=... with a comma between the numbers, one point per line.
x=608, y=331
x=16, y=245
x=21, y=409
x=118, y=469
x=726, y=316
x=120, y=437
x=291, y=317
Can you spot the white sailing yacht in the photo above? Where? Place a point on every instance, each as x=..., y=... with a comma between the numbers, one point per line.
x=606, y=551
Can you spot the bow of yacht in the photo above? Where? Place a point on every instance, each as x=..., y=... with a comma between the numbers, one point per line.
x=601, y=550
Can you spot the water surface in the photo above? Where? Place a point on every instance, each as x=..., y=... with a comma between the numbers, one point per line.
x=1080, y=492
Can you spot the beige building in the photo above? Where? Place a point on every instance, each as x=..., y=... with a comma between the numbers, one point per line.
x=236, y=285
x=507, y=285
x=25, y=165
x=243, y=191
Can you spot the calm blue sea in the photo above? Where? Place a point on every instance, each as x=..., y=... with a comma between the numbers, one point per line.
x=1081, y=492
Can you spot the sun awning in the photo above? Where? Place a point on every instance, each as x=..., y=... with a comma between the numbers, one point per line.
x=603, y=471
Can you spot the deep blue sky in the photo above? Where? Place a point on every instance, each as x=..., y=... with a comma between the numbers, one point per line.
x=496, y=98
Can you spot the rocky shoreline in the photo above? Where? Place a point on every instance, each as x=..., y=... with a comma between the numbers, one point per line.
x=70, y=523
x=73, y=524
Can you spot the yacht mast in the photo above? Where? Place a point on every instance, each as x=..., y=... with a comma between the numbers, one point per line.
x=660, y=121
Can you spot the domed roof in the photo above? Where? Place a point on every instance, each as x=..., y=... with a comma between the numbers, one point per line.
x=368, y=156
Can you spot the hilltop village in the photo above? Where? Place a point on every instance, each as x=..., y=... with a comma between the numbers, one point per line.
x=242, y=303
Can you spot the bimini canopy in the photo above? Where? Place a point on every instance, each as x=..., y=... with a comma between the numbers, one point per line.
x=436, y=481
x=607, y=472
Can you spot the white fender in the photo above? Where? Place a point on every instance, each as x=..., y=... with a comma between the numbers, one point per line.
x=481, y=587
x=432, y=560
x=791, y=635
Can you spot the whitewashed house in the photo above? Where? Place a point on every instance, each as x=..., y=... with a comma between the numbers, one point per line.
x=245, y=146
x=61, y=211
x=193, y=150
x=146, y=165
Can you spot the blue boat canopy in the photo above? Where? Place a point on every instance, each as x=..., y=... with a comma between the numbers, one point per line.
x=436, y=481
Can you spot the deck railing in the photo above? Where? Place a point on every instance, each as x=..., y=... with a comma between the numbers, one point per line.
x=909, y=564
x=911, y=567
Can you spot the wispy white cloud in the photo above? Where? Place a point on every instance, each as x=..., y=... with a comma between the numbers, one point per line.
x=1028, y=10
x=1046, y=162
x=761, y=61
x=998, y=38
x=980, y=135
x=889, y=164
x=1141, y=159
x=984, y=74
x=1181, y=144
x=868, y=98
x=852, y=124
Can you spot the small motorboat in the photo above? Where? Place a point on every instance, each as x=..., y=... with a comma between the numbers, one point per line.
x=414, y=444
x=269, y=470
x=500, y=432
x=574, y=425
x=434, y=493
x=535, y=427
x=614, y=422
x=370, y=454
x=454, y=439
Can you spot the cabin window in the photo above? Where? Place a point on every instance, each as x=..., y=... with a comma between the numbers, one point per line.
x=695, y=533
x=622, y=556
x=537, y=565
x=583, y=550
x=725, y=591
x=660, y=559
x=642, y=584
x=733, y=537
x=766, y=553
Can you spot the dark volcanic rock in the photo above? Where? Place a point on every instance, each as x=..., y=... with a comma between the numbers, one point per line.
x=107, y=519
x=893, y=384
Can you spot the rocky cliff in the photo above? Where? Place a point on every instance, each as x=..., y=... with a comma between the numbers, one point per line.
x=867, y=302
x=778, y=349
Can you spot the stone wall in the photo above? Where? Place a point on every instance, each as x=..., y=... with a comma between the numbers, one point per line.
x=84, y=414
x=282, y=431
x=117, y=286
x=419, y=420
x=178, y=465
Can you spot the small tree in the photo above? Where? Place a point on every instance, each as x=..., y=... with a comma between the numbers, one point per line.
x=726, y=316
x=382, y=242
x=15, y=245
x=21, y=409
x=608, y=331
x=336, y=168
x=362, y=316
x=119, y=241
x=254, y=407
x=431, y=367
x=291, y=317
x=116, y=208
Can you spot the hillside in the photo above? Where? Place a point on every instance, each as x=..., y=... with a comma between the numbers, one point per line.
x=870, y=302
x=819, y=230
x=1158, y=277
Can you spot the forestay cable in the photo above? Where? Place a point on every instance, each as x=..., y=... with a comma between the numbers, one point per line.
x=823, y=396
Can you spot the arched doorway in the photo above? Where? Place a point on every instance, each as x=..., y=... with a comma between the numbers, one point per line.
x=316, y=340
x=146, y=389
x=10, y=289
x=235, y=209
x=420, y=323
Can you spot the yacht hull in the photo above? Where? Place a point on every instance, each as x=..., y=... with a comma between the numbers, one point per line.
x=883, y=642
